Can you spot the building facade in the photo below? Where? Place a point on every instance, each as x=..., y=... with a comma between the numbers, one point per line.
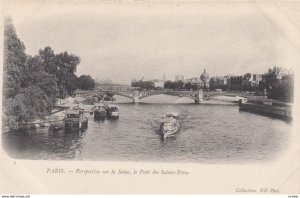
x=235, y=83
x=219, y=82
x=158, y=83
x=195, y=81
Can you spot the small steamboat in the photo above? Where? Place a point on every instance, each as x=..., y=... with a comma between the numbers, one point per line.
x=113, y=112
x=169, y=124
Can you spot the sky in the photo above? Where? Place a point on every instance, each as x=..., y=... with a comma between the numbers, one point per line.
x=125, y=41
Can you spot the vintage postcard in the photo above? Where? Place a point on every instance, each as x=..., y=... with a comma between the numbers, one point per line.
x=150, y=97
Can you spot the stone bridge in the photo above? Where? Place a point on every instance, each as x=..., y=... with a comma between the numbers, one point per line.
x=136, y=96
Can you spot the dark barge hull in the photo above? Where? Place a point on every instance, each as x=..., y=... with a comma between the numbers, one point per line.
x=71, y=127
x=284, y=113
x=99, y=115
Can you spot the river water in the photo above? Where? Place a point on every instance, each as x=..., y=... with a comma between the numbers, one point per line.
x=213, y=132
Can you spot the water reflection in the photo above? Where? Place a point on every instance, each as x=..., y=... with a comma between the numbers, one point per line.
x=99, y=119
x=37, y=143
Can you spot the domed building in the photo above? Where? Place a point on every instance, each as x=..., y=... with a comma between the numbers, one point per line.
x=205, y=78
x=201, y=82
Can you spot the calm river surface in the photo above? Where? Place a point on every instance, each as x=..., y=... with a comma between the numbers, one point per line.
x=216, y=132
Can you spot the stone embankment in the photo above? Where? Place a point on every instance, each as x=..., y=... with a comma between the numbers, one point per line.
x=268, y=107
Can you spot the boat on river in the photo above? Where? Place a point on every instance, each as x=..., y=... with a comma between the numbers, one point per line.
x=169, y=124
x=75, y=120
x=113, y=111
x=99, y=111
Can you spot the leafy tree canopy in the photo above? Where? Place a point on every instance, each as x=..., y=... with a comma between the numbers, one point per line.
x=14, y=60
x=86, y=82
x=32, y=84
x=63, y=66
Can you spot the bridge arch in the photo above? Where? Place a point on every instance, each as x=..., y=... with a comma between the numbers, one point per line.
x=120, y=94
x=135, y=95
x=127, y=95
x=170, y=94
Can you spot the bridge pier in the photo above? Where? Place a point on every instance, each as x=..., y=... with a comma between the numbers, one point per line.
x=136, y=97
x=200, y=97
x=135, y=100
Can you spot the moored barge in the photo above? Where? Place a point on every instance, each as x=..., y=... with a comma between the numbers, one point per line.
x=75, y=120
x=99, y=111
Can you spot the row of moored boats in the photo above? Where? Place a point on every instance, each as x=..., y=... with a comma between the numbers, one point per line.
x=76, y=120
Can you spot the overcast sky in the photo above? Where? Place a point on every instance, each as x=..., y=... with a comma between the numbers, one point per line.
x=127, y=41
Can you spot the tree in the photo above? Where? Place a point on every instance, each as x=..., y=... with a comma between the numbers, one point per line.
x=13, y=65
x=40, y=81
x=179, y=84
x=63, y=66
x=261, y=86
x=67, y=64
x=168, y=84
x=247, y=76
x=279, y=84
x=86, y=82
x=30, y=92
x=37, y=97
x=195, y=87
x=14, y=60
x=148, y=85
x=188, y=86
x=49, y=60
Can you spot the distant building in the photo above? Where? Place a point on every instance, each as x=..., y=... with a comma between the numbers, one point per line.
x=219, y=82
x=235, y=83
x=158, y=83
x=201, y=82
x=275, y=78
x=251, y=81
x=255, y=79
x=246, y=81
x=213, y=83
x=279, y=84
x=179, y=77
x=195, y=81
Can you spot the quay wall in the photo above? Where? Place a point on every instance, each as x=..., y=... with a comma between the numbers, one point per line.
x=256, y=98
x=277, y=111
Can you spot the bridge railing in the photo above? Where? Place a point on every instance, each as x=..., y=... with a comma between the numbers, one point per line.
x=168, y=91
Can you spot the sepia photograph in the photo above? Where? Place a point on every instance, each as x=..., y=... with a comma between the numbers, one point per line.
x=150, y=82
